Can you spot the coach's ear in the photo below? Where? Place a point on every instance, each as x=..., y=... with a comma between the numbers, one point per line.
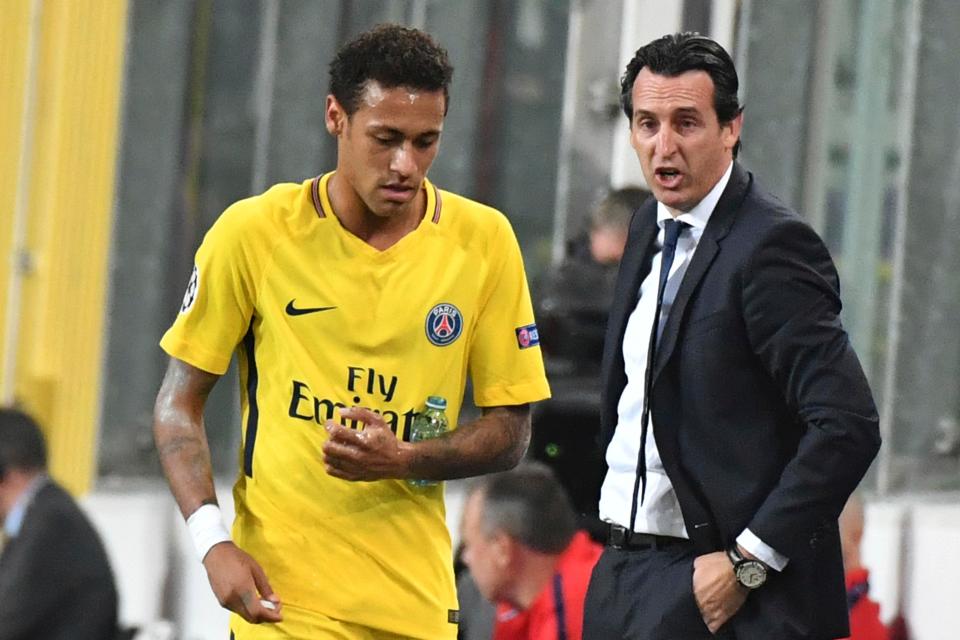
x=335, y=116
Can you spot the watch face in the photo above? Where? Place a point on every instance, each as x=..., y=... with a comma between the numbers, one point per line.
x=751, y=574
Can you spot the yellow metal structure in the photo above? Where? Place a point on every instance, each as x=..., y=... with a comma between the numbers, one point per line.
x=14, y=50
x=61, y=64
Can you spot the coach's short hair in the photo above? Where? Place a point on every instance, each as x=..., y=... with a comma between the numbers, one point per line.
x=528, y=504
x=21, y=442
x=675, y=54
x=394, y=56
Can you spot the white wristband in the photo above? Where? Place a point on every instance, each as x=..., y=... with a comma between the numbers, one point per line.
x=207, y=529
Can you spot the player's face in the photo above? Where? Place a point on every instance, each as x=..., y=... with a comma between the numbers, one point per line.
x=386, y=147
x=683, y=149
x=483, y=554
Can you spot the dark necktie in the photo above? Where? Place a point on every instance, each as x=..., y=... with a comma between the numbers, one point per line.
x=671, y=232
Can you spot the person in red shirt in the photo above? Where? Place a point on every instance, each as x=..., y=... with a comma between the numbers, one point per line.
x=865, y=621
x=521, y=543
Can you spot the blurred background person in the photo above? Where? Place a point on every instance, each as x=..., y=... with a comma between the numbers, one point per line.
x=55, y=580
x=572, y=305
x=575, y=296
x=525, y=553
x=865, y=621
x=609, y=223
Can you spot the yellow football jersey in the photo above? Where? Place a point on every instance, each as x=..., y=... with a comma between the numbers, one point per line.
x=322, y=320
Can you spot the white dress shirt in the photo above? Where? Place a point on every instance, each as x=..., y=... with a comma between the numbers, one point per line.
x=660, y=512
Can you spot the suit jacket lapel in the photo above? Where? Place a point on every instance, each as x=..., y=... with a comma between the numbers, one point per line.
x=634, y=266
x=719, y=224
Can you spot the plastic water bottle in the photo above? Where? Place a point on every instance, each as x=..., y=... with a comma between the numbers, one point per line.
x=429, y=423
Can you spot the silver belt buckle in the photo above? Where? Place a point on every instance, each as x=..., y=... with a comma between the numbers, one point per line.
x=619, y=536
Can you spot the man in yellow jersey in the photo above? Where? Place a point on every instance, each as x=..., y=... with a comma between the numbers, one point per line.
x=349, y=299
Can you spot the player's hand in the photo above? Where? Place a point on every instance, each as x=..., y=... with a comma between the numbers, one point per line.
x=240, y=584
x=370, y=454
x=716, y=589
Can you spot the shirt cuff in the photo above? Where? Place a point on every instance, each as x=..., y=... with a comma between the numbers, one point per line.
x=764, y=552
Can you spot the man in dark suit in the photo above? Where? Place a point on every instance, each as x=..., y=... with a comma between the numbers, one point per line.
x=732, y=454
x=55, y=580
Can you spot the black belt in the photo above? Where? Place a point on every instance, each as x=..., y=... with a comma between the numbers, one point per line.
x=622, y=538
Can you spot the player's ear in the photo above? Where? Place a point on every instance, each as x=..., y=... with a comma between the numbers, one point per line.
x=334, y=115
x=504, y=547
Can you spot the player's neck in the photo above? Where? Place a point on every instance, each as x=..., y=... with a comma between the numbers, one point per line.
x=380, y=232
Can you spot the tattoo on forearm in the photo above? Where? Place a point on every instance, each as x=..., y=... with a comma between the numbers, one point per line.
x=179, y=444
x=186, y=456
x=494, y=442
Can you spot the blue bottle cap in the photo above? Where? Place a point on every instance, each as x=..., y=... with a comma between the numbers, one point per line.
x=436, y=402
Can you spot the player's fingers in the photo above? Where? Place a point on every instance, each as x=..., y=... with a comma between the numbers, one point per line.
x=338, y=472
x=341, y=434
x=268, y=604
x=339, y=452
x=255, y=610
x=364, y=415
x=343, y=460
x=269, y=611
x=260, y=580
x=244, y=605
x=345, y=467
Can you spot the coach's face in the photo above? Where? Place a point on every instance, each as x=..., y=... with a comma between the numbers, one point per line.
x=486, y=555
x=683, y=148
x=386, y=147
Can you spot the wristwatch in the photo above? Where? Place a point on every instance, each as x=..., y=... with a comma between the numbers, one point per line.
x=750, y=573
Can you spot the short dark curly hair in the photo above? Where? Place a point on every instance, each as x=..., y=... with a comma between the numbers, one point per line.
x=394, y=56
x=675, y=54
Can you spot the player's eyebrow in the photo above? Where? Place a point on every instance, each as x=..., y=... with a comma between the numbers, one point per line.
x=393, y=131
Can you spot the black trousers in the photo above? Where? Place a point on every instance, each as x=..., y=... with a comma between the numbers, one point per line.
x=645, y=594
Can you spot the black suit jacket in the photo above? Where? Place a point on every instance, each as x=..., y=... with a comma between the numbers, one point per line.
x=763, y=416
x=55, y=580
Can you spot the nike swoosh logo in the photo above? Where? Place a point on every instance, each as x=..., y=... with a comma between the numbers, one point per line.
x=294, y=311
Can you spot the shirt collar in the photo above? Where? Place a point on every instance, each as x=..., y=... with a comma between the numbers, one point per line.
x=700, y=214
x=14, y=520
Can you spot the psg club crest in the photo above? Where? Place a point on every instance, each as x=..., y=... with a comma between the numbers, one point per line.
x=444, y=324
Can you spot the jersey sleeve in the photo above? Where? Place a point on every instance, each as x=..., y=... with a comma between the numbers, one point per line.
x=219, y=303
x=506, y=365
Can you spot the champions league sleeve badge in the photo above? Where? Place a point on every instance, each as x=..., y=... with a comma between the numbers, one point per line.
x=444, y=324
x=527, y=336
x=191, y=294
